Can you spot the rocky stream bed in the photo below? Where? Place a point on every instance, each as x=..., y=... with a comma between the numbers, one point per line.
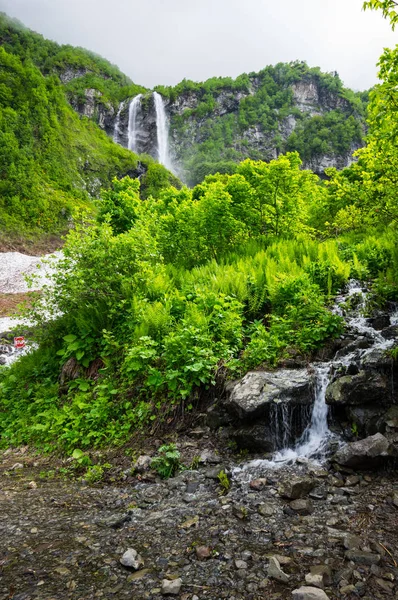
x=273, y=532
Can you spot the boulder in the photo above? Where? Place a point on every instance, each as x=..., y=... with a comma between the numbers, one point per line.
x=296, y=487
x=390, y=333
x=366, y=387
x=252, y=396
x=367, y=453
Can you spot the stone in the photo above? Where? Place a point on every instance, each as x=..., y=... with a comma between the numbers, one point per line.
x=323, y=570
x=143, y=463
x=202, y=552
x=209, y=457
x=275, y=571
x=258, y=484
x=352, y=542
x=171, y=587
x=240, y=564
x=366, y=387
x=296, y=488
x=315, y=580
x=390, y=333
x=363, y=558
x=309, y=593
x=367, y=453
x=250, y=396
x=266, y=510
x=395, y=499
x=302, y=506
x=132, y=560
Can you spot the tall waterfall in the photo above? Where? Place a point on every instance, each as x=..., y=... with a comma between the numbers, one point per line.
x=116, y=131
x=162, y=127
x=134, y=108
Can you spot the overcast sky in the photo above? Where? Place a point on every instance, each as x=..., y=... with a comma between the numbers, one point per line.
x=165, y=41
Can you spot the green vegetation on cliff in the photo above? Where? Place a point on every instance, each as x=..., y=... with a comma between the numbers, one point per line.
x=52, y=163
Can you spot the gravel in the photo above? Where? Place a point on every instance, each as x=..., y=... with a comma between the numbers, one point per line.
x=14, y=266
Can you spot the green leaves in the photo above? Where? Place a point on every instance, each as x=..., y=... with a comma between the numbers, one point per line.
x=389, y=9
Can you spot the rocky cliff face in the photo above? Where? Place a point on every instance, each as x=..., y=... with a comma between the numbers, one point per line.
x=258, y=121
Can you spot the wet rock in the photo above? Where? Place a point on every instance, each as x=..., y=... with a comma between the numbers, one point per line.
x=363, y=558
x=132, y=559
x=256, y=438
x=296, y=488
x=367, y=453
x=250, y=396
x=379, y=322
x=143, y=463
x=309, y=593
x=302, y=506
x=171, y=587
x=366, y=387
x=390, y=333
x=275, y=571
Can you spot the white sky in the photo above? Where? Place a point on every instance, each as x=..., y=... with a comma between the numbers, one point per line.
x=165, y=41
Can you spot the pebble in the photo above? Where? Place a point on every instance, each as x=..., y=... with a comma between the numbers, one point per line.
x=275, y=571
x=132, y=559
x=171, y=587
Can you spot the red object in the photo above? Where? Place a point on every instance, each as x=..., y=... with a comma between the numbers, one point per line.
x=19, y=342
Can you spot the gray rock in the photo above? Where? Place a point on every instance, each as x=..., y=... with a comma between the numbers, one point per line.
x=143, y=463
x=352, y=542
x=132, y=559
x=323, y=570
x=363, y=558
x=314, y=579
x=302, y=506
x=240, y=564
x=367, y=453
x=266, y=509
x=366, y=387
x=209, y=457
x=275, y=571
x=309, y=593
x=296, y=488
x=250, y=396
x=171, y=587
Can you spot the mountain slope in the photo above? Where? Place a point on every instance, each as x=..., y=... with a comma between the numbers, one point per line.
x=52, y=161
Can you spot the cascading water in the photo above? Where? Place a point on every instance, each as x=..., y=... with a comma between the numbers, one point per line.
x=133, y=129
x=162, y=127
x=116, y=131
x=317, y=436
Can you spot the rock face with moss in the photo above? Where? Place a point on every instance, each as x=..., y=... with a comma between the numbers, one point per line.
x=287, y=107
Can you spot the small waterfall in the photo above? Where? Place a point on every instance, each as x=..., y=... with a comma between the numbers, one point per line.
x=134, y=109
x=315, y=440
x=116, y=131
x=162, y=126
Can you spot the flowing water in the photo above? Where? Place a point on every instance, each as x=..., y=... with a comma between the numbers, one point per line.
x=316, y=438
x=133, y=129
x=162, y=128
x=116, y=131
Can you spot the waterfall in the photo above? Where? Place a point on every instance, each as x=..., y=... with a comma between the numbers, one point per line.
x=316, y=437
x=134, y=109
x=162, y=127
x=116, y=130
